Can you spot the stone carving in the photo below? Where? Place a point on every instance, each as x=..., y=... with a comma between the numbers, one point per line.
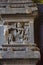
x=18, y=33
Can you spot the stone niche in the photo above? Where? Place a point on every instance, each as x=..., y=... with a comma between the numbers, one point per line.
x=19, y=31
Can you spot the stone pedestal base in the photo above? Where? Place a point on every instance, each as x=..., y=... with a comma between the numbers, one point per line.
x=19, y=61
